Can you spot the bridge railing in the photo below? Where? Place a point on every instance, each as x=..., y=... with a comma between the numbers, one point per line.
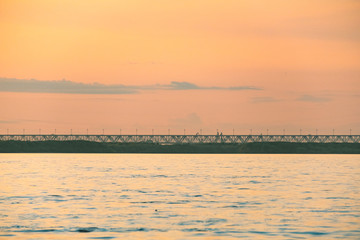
x=184, y=139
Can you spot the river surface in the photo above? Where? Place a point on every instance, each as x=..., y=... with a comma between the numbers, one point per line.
x=179, y=196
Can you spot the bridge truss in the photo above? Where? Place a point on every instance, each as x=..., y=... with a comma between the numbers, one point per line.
x=187, y=139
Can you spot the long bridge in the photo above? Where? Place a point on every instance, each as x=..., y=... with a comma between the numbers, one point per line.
x=186, y=139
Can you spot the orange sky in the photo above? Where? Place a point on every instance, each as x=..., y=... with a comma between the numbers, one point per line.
x=302, y=57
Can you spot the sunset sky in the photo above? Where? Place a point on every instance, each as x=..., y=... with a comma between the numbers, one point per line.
x=199, y=64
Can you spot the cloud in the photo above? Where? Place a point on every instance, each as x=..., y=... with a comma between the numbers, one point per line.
x=190, y=86
x=310, y=98
x=8, y=122
x=191, y=119
x=182, y=86
x=22, y=121
x=66, y=86
x=243, y=88
x=61, y=86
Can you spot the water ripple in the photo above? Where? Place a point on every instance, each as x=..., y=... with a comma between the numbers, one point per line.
x=130, y=196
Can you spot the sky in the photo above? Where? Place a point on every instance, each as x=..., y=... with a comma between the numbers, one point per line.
x=233, y=66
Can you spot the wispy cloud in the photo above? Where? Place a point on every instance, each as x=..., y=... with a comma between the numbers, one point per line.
x=191, y=86
x=61, y=86
x=191, y=119
x=182, y=86
x=311, y=98
x=8, y=121
x=66, y=86
x=36, y=121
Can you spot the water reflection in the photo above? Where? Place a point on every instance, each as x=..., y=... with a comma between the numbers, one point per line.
x=106, y=196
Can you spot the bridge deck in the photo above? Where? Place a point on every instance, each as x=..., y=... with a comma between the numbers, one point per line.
x=183, y=139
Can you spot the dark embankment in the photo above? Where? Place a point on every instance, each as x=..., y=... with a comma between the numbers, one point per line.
x=95, y=147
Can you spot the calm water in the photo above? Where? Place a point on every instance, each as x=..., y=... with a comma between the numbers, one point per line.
x=140, y=196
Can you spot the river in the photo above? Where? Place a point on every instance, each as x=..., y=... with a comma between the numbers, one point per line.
x=179, y=196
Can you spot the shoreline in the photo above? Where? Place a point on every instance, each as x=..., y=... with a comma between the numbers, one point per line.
x=199, y=148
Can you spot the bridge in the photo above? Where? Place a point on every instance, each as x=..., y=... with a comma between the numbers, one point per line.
x=186, y=139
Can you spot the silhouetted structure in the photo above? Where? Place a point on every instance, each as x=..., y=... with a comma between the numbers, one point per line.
x=188, y=139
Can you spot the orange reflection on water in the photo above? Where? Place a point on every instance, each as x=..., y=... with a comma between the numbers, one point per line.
x=160, y=196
